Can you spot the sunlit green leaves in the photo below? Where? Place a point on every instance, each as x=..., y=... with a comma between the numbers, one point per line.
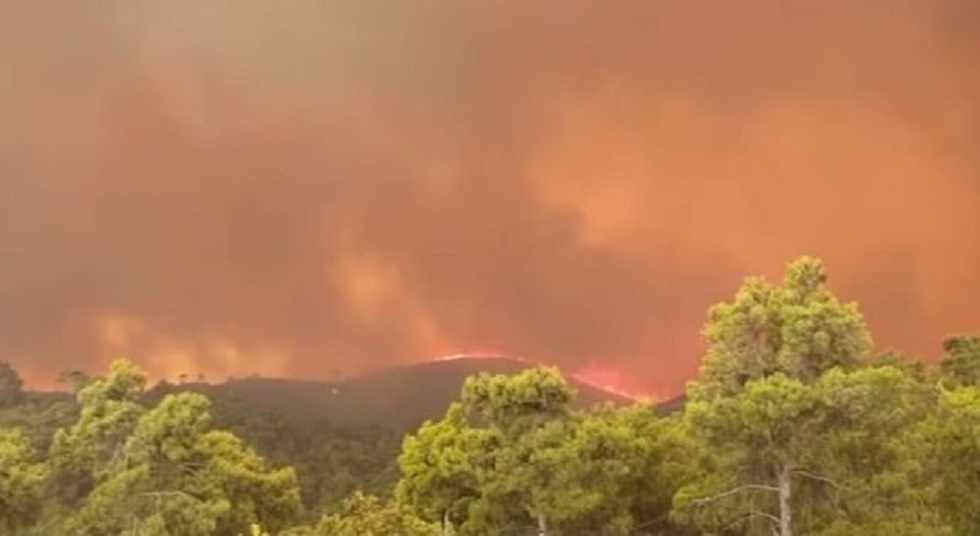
x=164, y=470
x=365, y=515
x=513, y=457
x=958, y=439
x=788, y=387
x=798, y=328
x=21, y=478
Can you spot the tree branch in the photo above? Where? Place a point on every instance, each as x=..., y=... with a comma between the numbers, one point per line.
x=767, y=516
x=650, y=522
x=747, y=487
x=817, y=477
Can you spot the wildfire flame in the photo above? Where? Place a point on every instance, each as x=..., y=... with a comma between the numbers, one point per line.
x=479, y=355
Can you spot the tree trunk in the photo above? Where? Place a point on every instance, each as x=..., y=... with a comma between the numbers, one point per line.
x=542, y=525
x=447, y=525
x=785, y=494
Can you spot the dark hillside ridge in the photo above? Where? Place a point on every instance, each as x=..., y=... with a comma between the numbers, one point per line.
x=399, y=398
x=672, y=405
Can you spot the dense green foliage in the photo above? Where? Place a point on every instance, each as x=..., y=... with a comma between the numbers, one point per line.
x=794, y=426
x=367, y=515
x=21, y=480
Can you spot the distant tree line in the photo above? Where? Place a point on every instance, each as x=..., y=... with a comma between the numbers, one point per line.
x=794, y=426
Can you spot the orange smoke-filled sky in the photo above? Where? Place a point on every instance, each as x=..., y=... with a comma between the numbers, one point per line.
x=320, y=188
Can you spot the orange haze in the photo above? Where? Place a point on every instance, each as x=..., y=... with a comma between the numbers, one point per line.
x=318, y=188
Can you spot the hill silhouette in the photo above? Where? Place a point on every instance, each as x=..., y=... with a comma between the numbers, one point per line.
x=399, y=398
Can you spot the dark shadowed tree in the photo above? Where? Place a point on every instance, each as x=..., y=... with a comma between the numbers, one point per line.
x=11, y=386
x=960, y=364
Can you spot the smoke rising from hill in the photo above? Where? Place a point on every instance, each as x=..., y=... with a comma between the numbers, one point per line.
x=232, y=186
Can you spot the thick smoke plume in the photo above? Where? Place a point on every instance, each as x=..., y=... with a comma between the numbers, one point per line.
x=320, y=188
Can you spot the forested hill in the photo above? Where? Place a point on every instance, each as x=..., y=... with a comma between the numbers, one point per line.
x=399, y=398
